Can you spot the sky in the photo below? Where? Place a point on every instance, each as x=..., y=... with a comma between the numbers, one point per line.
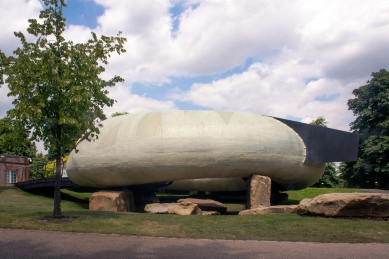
x=290, y=59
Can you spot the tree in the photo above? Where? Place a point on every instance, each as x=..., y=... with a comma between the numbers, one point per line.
x=14, y=139
x=320, y=121
x=56, y=84
x=329, y=178
x=371, y=106
x=116, y=114
x=38, y=166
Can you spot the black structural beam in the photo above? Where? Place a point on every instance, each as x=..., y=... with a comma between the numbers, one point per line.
x=44, y=183
x=325, y=144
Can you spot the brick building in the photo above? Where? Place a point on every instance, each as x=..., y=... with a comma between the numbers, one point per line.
x=14, y=169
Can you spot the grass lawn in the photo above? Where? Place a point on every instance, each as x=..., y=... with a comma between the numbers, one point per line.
x=296, y=196
x=24, y=210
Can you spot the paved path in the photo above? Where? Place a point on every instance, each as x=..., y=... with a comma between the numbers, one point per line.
x=46, y=244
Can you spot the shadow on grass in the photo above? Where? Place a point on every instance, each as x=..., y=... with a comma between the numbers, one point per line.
x=49, y=193
x=84, y=204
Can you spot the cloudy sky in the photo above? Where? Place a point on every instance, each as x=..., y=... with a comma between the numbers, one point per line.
x=291, y=59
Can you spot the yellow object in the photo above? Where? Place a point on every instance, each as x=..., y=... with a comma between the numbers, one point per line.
x=50, y=167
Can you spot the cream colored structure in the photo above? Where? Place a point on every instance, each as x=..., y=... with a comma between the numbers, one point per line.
x=149, y=147
x=209, y=184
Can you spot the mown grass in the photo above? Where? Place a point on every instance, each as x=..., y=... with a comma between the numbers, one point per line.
x=296, y=196
x=23, y=210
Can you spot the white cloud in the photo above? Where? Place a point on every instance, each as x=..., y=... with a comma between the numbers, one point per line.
x=5, y=102
x=333, y=44
x=14, y=15
x=127, y=102
x=279, y=90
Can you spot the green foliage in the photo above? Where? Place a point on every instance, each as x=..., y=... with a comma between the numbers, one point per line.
x=320, y=121
x=49, y=168
x=295, y=196
x=38, y=167
x=330, y=177
x=14, y=139
x=371, y=106
x=115, y=114
x=56, y=84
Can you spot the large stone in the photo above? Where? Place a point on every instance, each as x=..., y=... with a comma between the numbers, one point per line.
x=270, y=210
x=206, y=204
x=258, y=192
x=347, y=205
x=112, y=201
x=159, y=208
x=186, y=208
x=209, y=213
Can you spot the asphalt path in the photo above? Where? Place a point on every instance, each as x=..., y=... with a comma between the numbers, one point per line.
x=15, y=243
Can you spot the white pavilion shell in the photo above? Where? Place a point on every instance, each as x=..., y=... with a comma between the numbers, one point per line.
x=149, y=147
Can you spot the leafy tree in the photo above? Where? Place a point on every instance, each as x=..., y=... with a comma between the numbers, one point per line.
x=329, y=178
x=320, y=121
x=14, y=139
x=38, y=166
x=371, y=106
x=115, y=114
x=56, y=84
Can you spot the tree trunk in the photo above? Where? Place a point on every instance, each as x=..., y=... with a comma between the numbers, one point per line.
x=57, y=192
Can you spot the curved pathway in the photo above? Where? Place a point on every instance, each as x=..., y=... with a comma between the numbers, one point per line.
x=46, y=244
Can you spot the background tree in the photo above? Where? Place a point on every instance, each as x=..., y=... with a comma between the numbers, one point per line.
x=329, y=178
x=38, y=166
x=56, y=85
x=14, y=139
x=115, y=114
x=371, y=106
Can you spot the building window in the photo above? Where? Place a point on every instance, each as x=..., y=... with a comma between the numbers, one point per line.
x=11, y=176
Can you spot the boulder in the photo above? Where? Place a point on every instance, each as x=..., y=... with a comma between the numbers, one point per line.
x=206, y=204
x=112, y=201
x=346, y=205
x=185, y=208
x=160, y=208
x=258, y=192
x=209, y=213
x=270, y=210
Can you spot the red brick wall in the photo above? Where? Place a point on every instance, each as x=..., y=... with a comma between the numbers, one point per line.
x=2, y=173
x=14, y=163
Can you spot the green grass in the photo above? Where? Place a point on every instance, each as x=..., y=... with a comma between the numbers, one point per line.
x=24, y=210
x=78, y=193
x=296, y=196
